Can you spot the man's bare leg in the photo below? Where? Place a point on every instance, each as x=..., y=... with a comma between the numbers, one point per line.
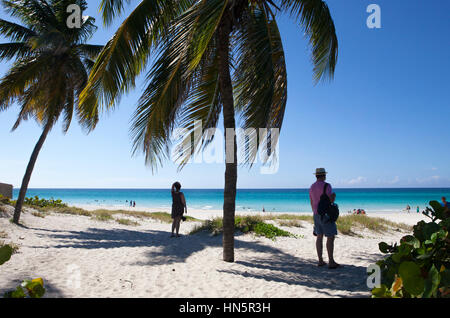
x=319, y=248
x=330, y=250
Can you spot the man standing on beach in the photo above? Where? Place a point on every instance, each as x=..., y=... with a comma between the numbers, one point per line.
x=321, y=227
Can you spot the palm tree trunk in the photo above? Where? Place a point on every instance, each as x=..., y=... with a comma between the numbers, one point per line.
x=28, y=172
x=226, y=94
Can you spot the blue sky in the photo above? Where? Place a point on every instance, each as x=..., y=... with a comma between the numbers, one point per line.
x=382, y=122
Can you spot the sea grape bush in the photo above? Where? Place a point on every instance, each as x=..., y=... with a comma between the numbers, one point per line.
x=29, y=288
x=420, y=265
x=36, y=202
x=43, y=203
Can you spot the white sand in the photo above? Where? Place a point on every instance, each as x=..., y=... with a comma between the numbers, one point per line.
x=80, y=257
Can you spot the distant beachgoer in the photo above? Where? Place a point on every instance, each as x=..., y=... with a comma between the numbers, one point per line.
x=321, y=227
x=408, y=208
x=178, y=208
x=131, y=203
x=444, y=203
x=418, y=210
x=264, y=210
x=134, y=204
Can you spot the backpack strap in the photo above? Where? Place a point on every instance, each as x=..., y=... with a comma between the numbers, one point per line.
x=325, y=188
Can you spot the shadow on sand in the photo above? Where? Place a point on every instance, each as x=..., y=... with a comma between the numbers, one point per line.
x=272, y=264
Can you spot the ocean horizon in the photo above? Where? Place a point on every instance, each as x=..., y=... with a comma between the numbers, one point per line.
x=252, y=200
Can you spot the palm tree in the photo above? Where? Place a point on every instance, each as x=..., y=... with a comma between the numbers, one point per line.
x=51, y=67
x=194, y=46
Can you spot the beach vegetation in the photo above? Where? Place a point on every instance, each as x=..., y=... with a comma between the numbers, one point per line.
x=419, y=265
x=289, y=217
x=127, y=222
x=3, y=209
x=350, y=224
x=44, y=203
x=38, y=214
x=243, y=224
x=6, y=251
x=14, y=247
x=4, y=200
x=194, y=47
x=29, y=288
x=50, y=68
x=103, y=216
x=346, y=225
x=65, y=210
x=290, y=223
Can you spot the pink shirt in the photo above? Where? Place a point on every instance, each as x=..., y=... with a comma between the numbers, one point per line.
x=316, y=191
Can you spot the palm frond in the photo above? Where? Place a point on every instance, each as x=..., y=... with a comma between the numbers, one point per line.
x=23, y=74
x=155, y=116
x=18, y=50
x=37, y=14
x=315, y=18
x=111, y=9
x=172, y=79
x=203, y=105
x=260, y=82
x=127, y=53
x=15, y=32
x=89, y=50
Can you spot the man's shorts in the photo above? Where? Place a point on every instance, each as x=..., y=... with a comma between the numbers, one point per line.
x=323, y=227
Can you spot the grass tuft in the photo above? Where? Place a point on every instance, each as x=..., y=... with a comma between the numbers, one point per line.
x=38, y=214
x=127, y=222
x=290, y=223
x=348, y=224
x=102, y=216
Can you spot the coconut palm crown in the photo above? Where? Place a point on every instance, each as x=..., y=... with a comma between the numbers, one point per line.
x=51, y=64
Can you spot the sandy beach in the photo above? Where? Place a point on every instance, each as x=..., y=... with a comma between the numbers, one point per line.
x=81, y=257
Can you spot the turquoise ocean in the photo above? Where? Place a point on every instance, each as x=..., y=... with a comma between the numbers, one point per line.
x=273, y=200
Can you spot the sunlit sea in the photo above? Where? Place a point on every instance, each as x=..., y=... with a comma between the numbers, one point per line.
x=272, y=200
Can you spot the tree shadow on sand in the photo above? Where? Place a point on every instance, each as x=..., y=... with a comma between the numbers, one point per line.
x=270, y=264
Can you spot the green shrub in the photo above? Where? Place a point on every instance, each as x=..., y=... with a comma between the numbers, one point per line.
x=420, y=265
x=44, y=203
x=6, y=251
x=244, y=224
x=28, y=289
x=270, y=231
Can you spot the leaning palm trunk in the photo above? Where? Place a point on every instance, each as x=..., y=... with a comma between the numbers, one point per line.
x=226, y=91
x=28, y=172
x=50, y=68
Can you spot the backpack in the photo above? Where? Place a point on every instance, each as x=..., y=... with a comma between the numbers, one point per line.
x=325, y=207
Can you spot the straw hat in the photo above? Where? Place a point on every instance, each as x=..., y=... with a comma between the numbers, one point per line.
x=320, y=172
